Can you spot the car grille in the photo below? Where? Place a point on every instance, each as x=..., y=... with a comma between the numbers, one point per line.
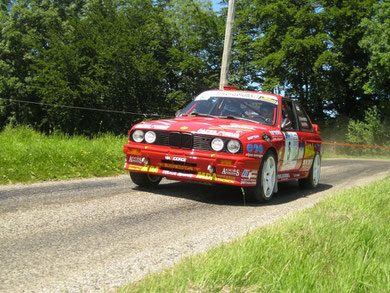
x=186, y=140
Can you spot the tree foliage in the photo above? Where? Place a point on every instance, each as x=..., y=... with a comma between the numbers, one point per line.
x=139, y=56
x=308, y=50
x=154, y=56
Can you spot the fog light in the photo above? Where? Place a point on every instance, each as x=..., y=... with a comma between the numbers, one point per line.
x=135, y=151
x=145, y=161
x=211, y=169
x=226, y=162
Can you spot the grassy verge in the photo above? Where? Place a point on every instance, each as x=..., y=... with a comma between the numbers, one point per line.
x=28, y=156
x=340, y=245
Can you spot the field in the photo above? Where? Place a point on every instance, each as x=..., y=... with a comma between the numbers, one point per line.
x=340, y=245
x=28, y=156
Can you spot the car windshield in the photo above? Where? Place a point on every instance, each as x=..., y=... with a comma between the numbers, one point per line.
x=233, y=108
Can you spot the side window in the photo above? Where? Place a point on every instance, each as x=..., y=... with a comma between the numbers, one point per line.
x=303, y=119
x=287, y=113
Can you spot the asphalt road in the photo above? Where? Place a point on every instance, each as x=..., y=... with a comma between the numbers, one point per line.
x=97, y=234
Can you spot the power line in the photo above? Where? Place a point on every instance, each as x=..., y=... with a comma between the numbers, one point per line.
x=82, y=108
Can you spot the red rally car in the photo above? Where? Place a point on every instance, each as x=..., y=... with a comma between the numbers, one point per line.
x=249, y=139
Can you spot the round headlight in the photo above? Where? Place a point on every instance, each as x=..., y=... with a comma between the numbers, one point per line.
x=217, y=144
x=233, y=146
x=150, y=137
x=138, y=136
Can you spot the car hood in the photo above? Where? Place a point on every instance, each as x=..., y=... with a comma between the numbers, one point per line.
x=208, y=126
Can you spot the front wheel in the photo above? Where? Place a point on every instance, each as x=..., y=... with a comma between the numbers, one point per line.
x=266, y=180
x=314, y=175
x=145, y=180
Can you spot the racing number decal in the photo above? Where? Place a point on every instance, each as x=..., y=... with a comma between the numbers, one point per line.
x=291, y=150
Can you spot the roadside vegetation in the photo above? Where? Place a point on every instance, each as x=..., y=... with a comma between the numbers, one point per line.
x=29, y=156
x=339, y=245
x=372, y=130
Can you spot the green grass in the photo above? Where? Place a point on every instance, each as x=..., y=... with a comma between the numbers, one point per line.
x=29, y=156
x=340, y=245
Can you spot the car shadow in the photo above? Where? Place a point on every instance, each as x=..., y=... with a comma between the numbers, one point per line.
x=230, y=195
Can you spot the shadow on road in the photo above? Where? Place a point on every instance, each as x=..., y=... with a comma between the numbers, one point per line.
x=230, y=195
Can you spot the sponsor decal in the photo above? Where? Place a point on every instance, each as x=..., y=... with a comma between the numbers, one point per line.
x=148, y=168
x=233, y=126
x=309, y=150
x=248, y=181
x=212, y=177
x=218, y=133
x=250, y=174
x=184, y=128
x=291, y=151
x=254, y=148
x=175, y=159
x=177, y=174
x=296, y=175
x=152, y=126
x=271, y=99
x=180, y=167
x=253, y=137
x=137, y=160
x=231, y=171
x=283, y=176
x=306, y=164
x=253, y=155
x=227, y=177
x=223, y=180
x=166, y=172
x=237, y=94
x=276, y=134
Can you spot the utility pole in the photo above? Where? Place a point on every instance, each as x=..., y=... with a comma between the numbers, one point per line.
x=227, y=45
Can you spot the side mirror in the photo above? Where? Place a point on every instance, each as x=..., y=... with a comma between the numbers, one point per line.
x=316, y=129
x=286, y=124
x=178, y=113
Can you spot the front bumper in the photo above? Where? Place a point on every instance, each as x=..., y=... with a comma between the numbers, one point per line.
x=191, y=165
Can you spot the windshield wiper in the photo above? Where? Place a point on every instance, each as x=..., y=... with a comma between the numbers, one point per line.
x=199, y=114
x=238, y=118
x=266, y=120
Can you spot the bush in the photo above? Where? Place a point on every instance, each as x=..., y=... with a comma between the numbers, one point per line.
x=371, y=131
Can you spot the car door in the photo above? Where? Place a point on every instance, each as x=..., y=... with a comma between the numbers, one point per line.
x=292, y=155
x=306, y=137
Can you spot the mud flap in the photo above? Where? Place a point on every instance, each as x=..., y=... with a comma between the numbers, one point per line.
x=276, y=180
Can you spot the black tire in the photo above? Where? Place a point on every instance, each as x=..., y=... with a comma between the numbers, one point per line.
x=266, y=180
x=314, y=175
x=145, y=180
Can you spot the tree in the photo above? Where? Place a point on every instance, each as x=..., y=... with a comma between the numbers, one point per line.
x=24, y=35
x=376, y=41
x=305, y=49
x=196, y=51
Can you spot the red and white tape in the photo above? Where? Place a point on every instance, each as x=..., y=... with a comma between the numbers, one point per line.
x=356, y=145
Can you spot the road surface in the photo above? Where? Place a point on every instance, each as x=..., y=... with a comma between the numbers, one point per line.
x=96, y=234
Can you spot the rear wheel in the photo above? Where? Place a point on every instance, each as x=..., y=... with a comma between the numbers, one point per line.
x=314, y=175
x=145, y=180
x=266, y=180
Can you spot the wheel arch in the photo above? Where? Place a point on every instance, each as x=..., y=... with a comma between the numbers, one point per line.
x=273, y=150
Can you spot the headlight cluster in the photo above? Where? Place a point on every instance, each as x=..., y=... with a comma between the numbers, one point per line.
x=233, y=145
x=140, y=136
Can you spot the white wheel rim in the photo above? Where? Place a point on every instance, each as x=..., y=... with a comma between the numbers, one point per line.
x=316, y=169
x=268, y=176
